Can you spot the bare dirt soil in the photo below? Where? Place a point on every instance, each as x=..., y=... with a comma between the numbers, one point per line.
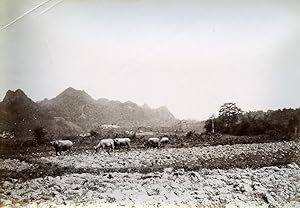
x=241, y=175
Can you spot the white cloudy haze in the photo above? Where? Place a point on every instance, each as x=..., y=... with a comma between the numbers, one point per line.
x=191, y=56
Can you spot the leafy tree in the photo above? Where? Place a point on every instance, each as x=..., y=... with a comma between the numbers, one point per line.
x=229, y=113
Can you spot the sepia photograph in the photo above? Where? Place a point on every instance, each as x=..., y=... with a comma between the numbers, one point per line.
x=147, y=103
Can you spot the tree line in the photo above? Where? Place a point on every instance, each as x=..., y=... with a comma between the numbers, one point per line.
x=232, y=120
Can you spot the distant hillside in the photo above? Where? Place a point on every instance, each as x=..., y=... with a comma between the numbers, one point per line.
x=17, y=111
x=19, y=115
x=190, y=125
x=74, y=111
x=81, y=109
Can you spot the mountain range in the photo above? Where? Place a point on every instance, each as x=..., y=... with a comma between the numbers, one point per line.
x=76, y=111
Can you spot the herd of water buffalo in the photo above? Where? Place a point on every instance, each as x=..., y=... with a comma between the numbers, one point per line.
x=110, y=144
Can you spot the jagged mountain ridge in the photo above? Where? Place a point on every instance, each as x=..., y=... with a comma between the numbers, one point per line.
x=80, y=108
x=17, y=110
x=19, y=115
x=75, y=111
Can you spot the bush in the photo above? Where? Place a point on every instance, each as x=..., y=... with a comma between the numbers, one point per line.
x=39, y=135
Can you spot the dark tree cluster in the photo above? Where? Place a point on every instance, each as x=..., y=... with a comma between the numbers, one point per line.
x=231, y=120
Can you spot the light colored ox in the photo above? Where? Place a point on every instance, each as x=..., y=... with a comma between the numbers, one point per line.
x=61, y=145
x=152, y=142
x=105, y=144
x=122, y=142
x=164, y=141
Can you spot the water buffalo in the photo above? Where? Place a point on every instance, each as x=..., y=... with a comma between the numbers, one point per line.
x=105, y=144
x=61, y=145
x=164, y=141
x=152, y=142
x=121, y=142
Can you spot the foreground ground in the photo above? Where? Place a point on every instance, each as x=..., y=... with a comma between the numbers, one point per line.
x=249, y=175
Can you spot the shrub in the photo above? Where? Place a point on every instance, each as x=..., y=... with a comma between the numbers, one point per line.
x=39, y=135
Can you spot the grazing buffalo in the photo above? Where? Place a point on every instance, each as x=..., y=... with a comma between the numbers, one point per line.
x=105, y=144
x=152, y=142
x=61, y=145
x=122, y=142
x=164, y=141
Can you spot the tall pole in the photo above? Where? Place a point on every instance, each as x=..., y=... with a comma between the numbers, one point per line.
x=213, y=123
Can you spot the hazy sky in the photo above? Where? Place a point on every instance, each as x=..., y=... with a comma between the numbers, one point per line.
x=191, y=56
